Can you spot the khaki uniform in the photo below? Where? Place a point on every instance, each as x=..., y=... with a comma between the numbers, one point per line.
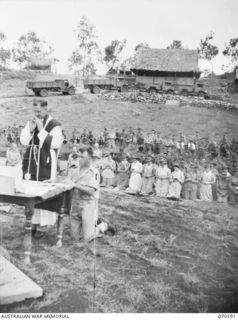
x=147, y=179
x=85, y=215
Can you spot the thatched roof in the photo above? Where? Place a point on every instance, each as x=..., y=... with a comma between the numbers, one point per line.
x=40, y=63
x=168, y=60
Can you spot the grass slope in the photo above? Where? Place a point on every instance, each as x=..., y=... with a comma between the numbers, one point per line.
x=167, y=257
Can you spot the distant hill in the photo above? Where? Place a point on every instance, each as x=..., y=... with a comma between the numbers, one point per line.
x=17, y=74
x=11, y=74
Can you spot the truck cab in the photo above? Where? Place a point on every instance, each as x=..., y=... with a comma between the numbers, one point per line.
x=161, y=87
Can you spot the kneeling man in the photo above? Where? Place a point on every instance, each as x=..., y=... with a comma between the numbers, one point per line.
x=86, y=217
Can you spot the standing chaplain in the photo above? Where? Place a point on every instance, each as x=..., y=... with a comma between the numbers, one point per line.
x=43, y=136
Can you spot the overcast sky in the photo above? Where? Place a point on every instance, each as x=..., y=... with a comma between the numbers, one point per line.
x=157, y=22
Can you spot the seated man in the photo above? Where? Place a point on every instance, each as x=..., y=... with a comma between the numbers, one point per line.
x=140, y=139
x=212, y=150
x=84, y=137
x=91, y=138
x=224, y=147
x=122, y=140
x=105, y=136
x=111, y=139
x=117, y=137
x=191, y=147
x=149, y=140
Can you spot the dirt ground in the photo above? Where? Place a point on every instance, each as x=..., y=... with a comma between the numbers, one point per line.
x=89, y=111
x=166, y=257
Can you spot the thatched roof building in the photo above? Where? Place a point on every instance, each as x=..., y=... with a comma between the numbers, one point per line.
x=164, y=62
x=38, y=63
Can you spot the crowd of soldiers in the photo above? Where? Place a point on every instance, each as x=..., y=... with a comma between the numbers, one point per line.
x=174, y=167
x=154, y=143
x=10, y=134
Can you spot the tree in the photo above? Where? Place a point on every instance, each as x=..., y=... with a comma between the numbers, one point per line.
x=112, y=52
x=231, y=51
x=2, y=37
x=90, y=68
x=141, y=45
x=28, y=46
x=83, y=58
x=207, y=50
x=5, y=54
x=176, y=44
x=128, y=63
x=75, y=61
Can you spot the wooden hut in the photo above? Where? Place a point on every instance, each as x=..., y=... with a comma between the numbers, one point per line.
x=40, y=64
x=177, y=66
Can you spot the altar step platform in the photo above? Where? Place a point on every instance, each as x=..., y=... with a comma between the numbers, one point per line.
x=15, y=286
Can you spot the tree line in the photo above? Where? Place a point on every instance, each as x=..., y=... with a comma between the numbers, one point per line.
x=87, y=53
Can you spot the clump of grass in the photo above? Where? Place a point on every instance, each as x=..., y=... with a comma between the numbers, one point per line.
x=134, y=295
x=49, y=298
x=199, y=302
x=162, y=292
x=191, y=280
x=158, y=263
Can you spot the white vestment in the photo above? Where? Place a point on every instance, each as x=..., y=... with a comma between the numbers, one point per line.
x=44, y=217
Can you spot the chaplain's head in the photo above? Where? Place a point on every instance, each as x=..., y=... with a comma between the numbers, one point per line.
x=40, y=108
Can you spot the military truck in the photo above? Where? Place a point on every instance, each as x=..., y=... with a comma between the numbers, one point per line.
x=122, y=81
x=169, y=87
x=43, y=88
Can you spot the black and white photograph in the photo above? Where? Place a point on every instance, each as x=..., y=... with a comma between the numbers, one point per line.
x=118, y=158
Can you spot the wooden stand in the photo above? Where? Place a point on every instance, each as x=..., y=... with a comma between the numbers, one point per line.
x=60, y=203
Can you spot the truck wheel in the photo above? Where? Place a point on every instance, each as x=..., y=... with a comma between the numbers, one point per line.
x=152, y=90
x=71, y=91
x=43, y=93
x=124, y=88
x=96, y=90
x=184, y=93
x=170, y=91
x=201, y=94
